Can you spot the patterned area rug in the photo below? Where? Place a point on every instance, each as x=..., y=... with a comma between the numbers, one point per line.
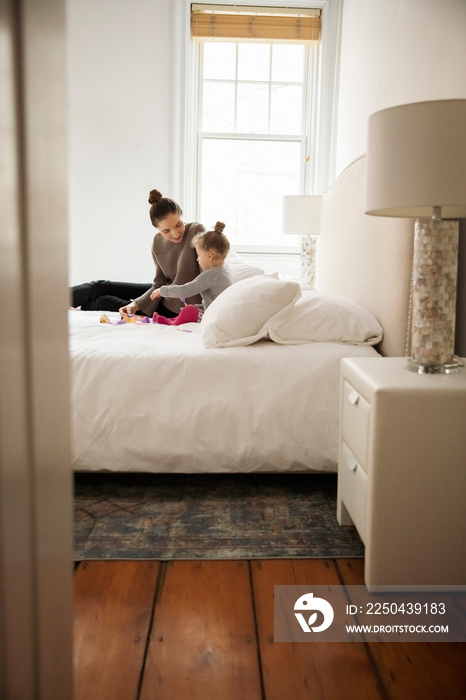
x=209, y=516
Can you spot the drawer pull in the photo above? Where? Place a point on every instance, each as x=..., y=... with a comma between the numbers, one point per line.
x=351, y=463
x=353, y=397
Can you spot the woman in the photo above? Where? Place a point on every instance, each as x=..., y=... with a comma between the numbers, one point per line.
x=175, y=263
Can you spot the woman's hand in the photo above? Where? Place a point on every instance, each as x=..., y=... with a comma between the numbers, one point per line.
x=129, y=308
x=155, y=294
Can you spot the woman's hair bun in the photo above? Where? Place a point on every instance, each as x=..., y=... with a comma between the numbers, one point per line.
x=154, y=196
x=219, y=226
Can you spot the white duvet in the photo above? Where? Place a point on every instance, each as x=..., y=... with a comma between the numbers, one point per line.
x=151, y=398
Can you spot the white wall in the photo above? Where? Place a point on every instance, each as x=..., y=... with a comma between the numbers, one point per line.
x=395, y=52
x=120, y=124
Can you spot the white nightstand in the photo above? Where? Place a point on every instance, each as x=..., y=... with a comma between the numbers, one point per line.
x=402, y=472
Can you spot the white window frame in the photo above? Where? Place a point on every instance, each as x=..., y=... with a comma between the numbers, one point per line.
x=304, y=139
x=322, y=103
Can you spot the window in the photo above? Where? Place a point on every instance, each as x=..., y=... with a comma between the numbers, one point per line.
x=251, y=138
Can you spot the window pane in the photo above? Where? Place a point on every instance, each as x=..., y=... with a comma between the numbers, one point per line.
x=253, y=62
x=288, y=62
x=243, y=183
x=286, y=109
x=252, y=114
x=218, y=107
x=219, y=60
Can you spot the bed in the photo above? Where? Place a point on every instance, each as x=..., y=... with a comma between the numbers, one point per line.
x=254, y=387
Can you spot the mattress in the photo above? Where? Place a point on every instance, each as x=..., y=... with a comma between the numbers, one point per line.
x=152, y=398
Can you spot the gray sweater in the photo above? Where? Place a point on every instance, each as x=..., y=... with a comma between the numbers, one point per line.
x=209, y=284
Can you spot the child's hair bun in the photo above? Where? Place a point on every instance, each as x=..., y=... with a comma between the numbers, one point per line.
x=154, y=196
x=219, y=226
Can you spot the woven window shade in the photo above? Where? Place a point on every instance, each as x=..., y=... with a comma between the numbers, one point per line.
x=242, y=23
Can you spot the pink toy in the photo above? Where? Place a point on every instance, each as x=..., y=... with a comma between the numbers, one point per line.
x=188, y=314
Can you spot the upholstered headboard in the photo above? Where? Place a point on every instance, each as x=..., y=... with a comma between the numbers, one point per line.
x=367, y=258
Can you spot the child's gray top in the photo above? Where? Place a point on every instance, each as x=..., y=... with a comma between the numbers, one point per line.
x=209, y=284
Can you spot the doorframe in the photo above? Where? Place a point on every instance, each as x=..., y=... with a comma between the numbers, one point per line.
x=36, y=557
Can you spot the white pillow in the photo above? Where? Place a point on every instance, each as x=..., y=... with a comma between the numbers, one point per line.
x=327, y=318
x=239, y=268
x=240, y=315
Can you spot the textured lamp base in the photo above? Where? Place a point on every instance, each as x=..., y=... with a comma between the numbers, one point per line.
x=309, y=245
x=435, y=267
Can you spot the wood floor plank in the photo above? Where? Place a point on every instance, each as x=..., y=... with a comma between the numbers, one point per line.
x=416, y=670
x=300, y=670
x=203, y=642
x=113, y=605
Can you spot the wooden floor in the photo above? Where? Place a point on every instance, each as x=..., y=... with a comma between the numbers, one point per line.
x=204, y=631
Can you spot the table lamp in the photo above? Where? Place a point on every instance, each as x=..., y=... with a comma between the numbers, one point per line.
x=416, y=167
x=301, y=217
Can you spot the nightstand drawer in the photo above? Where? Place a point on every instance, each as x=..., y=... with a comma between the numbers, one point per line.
x=352, y=488
x=355, y=422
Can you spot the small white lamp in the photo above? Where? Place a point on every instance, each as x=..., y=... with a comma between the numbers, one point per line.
x=416, y=167
x=301, y=217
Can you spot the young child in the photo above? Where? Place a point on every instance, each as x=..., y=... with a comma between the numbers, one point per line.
x=211, y=248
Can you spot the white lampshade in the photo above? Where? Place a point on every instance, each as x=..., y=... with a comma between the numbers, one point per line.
x=416, y=160
x=301, y=214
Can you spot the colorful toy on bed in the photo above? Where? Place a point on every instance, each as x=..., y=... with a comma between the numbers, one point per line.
x=188, y=314
x=125, y=318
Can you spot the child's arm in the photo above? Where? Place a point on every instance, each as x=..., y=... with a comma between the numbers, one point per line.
x=197, y=286
x=155, y=294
